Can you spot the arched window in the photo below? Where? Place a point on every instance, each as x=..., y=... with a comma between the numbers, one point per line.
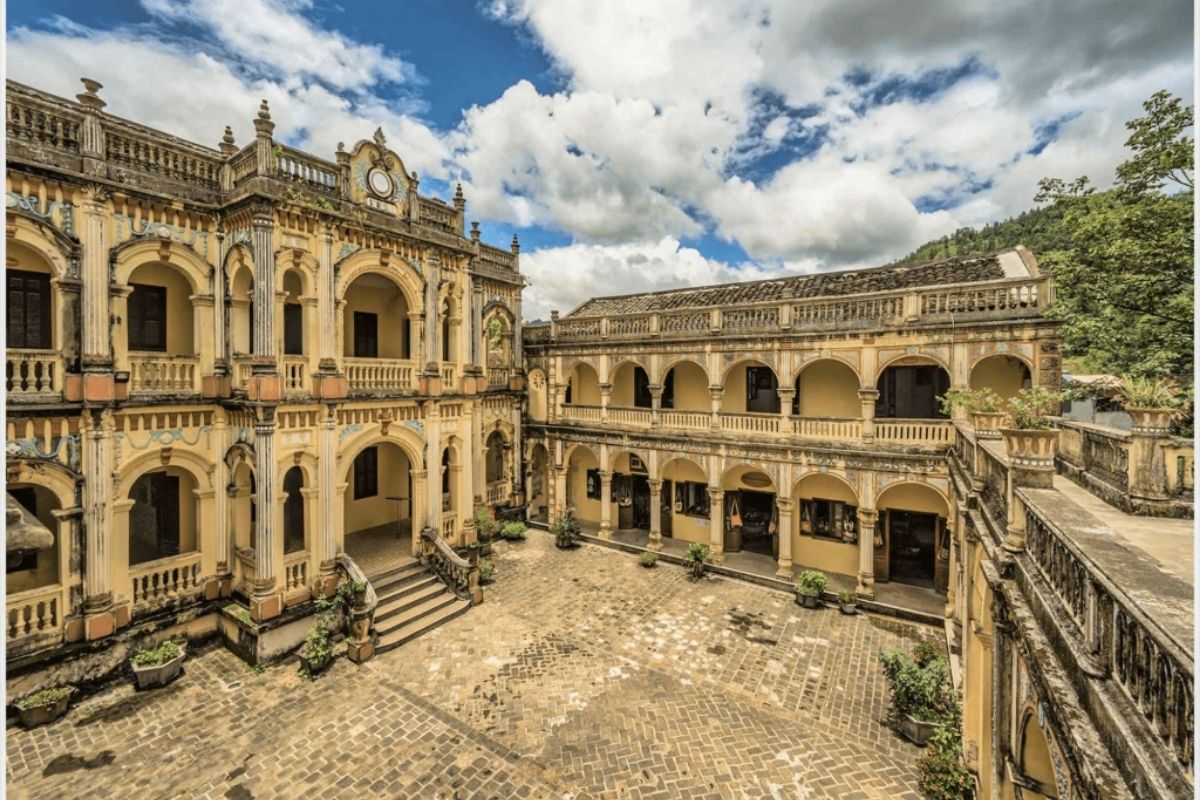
x=162, y=520
x=447, y=333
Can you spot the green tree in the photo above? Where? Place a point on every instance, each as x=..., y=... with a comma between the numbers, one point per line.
x=1124, y=276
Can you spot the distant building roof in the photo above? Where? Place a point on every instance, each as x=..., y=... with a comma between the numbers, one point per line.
x=965, y=269
x=24, y=530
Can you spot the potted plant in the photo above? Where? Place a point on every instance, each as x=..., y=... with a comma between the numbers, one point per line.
x=1032, y=440
x=485, y=529
x=41, y=708
x=648, y=560
x=922, y=695
x=695, y=557
x=847, y=602
x=513, y=531
x=1150, y=402
x=486, y=571
x=566, y=530
x=809, y=586
x=984, y=406
x=158, y=666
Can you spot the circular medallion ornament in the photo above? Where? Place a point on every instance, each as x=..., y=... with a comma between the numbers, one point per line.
x=380, y=183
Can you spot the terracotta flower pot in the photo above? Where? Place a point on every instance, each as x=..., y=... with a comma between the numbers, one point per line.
x=987, y=424
x=1031, y=449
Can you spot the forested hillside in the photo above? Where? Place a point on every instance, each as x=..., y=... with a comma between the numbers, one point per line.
x=1039, y=229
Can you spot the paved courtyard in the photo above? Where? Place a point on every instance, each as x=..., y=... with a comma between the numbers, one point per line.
x=583, y=675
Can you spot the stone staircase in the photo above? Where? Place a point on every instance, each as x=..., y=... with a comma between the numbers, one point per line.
x=411, y=601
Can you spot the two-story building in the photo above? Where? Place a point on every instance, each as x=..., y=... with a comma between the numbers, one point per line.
x=229, y=366
x=797, y=420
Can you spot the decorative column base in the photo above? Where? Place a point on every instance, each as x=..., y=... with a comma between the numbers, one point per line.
x=605, y=531
x=865, y=587
x=716, y=555
x=359, y=646
x=1014, y=541
x=655, y=544
x=265, y=606
x=784, y=572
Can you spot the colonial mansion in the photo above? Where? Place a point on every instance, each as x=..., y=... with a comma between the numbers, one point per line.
x=240, y=375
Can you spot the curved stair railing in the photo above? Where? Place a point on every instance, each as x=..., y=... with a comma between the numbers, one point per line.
x=360, y=639
x=459, y=574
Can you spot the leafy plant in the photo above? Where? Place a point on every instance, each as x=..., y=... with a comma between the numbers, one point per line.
x=157, y=656
x=920, y=691
x=486, y=570
x=648, y=559
x=566, y=528
x=940, y=771
x=1148, y=393
x=485, y=526
x=846, y=597
x=46, y=697
x=982, y=400
x=318, y=642
x=1032, y=407
x=695, y=557
x=811, y=582
x=513, y=531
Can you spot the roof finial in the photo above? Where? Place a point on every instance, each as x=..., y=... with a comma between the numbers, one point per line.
x=88, y=98
x=263, y=124
x=516, y=246
x=227, y=145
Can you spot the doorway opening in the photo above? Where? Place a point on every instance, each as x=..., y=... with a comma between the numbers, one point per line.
x=751, y=521
x=912, y=547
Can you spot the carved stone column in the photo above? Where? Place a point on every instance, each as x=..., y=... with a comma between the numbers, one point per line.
x=326, y=316
x=266, y=602
x=327, y=437
x=656, y=485
x=433, y=462
x=785, y=410
x=866, y=399
x=264, y=289
x=97, y=461
x=716, y=393
x=605, y=396
x=221, y=480
x=605, y=504
x=559, y=502
x=656, y=393
x=518, y=450
x=784, y=572
x=866, y=552
x=716, y=528
x=97, y=327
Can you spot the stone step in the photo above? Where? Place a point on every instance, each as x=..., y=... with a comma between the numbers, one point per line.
x=417, y=625
x=393, y=580
x=409, y=615
x=407, y=596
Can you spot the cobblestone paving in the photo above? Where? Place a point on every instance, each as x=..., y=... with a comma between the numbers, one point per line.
x=583, y=675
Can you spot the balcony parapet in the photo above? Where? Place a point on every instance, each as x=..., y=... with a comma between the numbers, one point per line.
x=1015, y=298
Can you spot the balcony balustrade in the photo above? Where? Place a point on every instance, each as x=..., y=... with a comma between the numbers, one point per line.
x=295, y=574
x=34, y=613
x=165, y=579
x=295, y=375
x=163, y=374
x=379, y=374
x=33, y=374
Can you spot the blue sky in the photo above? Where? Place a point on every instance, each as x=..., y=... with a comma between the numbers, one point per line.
x=637, y=145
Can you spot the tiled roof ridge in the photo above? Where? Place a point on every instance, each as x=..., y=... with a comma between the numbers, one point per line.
x=608, y=303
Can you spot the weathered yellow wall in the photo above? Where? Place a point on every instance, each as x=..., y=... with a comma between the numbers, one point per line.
x=829, y=389
x=585, y=385
x=538, y=399
x=734, y=399
x=586, y=509
x=691, y=388
x=1035, y=756
x=912, y=497
x=371, y=512
x=819, y=553
x=377, y=295
x=180, y=332
x=1004, y=374
x=622, y=385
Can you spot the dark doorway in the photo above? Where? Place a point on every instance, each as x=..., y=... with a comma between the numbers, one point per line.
x=366, y=334
x=641, y=502
x=666, y=517
x=762, y=393
x=758, y=509
x=154, y=518
x=146, y=313
x=911, y=548
x=911, y=392
x=293, y=330
x=293, y=511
